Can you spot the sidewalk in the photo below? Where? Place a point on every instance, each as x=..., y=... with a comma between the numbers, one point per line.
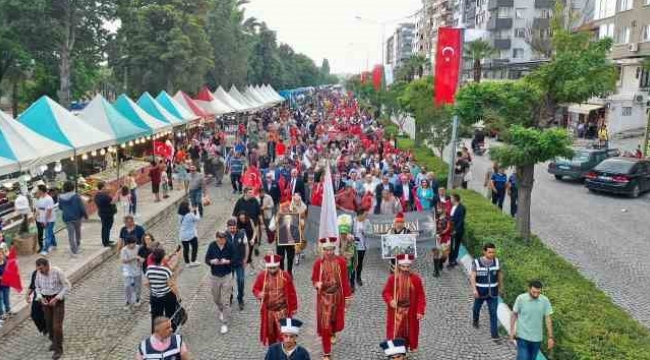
x=92, y=252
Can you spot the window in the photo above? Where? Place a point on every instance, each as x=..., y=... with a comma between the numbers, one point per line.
x=644, y=79
x=645, y=33
x=520, y=32
x=517, y=53
x=606, y=30
x=504, y=12
x=623, y=36
x=545, y=13
x=625, y=5
x=604, y=8
x=502, y=34
x=519, y=13
x=627, y=111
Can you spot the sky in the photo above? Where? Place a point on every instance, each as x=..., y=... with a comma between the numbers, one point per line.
x=329, y=28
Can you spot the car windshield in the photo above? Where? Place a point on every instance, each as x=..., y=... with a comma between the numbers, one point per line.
x=615, y=166
x=578, y=157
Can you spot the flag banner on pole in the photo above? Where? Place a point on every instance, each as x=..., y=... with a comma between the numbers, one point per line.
x=377, y=76
x=448, y=59
x=161, y=149
x=419, y=222
x=327, y=226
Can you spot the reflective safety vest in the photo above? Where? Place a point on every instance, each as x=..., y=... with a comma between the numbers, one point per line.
x=173, y=351
x=487, y=281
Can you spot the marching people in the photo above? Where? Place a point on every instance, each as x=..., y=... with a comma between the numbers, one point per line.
x=277, y=295
x=333, y=294
x=457, y=214
x=51, y=288
x=348, y=246
x=288, y=348
x=219, y=258
x=443, y=234
x=486, y=278
x=531, y=314
x=406, y=303
x=359, y=232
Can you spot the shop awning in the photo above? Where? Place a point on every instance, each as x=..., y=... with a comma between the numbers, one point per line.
x=583, y=108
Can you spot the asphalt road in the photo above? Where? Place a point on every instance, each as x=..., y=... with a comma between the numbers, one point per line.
x=606, y=237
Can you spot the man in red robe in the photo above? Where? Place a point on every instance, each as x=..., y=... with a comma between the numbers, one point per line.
x=406, y=303
x=334, y=294
x=275, y=290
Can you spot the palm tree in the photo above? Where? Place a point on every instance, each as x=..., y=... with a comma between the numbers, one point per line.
x=476, y=51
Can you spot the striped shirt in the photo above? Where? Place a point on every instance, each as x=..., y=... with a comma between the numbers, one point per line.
x=52, y=283
x=158, y=277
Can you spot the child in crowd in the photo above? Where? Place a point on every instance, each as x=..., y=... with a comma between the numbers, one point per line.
x=124, y=199
x=131, y=271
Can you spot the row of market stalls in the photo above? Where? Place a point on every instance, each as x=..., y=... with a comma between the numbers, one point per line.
x=47, y=142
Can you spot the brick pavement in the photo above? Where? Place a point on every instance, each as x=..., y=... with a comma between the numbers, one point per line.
x=96, y=327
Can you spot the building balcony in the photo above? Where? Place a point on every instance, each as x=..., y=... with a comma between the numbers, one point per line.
x=498, y=24
x=502, y=44
x=493, y=4
x=541, y=23
x=543, y=4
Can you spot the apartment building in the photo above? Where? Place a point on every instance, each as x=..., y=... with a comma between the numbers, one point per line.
x=399, y=46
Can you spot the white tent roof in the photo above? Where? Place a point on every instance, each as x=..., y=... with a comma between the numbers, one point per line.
x=242, y=99
x=273, y=93
x=153, y=107
x=53, y=121
x=264, y=96
x=206, y=101
x=223, y=96
x=251, y=94
x=101, y=115
x=28, y=148
x=138, y=116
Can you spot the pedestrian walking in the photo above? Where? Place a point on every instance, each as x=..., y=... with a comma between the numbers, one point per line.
x=236, y=168
x=513, y=192
x=163, y=344
x=277, y=295
x=498, y=185
x=73, y=212
x=5, y=301
x=487, y=181
x=219, y=257
x=133, y=189
x=406, y=303
x=394, y=349
x=246, y=224
x=486, y=278
x=531, y=312
x=457, y=213
x=51, y=288
x=124, y=199
x=288, y=348
x=162, y=293
x=348, y=247
x=360, y=227
x=131, y=265
x=239, y=240
x=106, y=209
x=155, y=175
x=45, y=219
x=130, y=229
x=187, y=232
x=196, y=188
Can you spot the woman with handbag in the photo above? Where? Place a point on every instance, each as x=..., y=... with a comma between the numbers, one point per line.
x=162, y=286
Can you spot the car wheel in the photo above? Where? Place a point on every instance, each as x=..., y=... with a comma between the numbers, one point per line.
x=636, y=191
x=558, y=177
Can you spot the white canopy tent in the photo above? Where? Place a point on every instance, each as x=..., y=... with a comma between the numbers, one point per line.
x=223, y=96
x=235, y=94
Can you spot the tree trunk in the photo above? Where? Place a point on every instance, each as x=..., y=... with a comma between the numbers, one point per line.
x=477, y=71
x=526, y=178
x=64, y=71
x=14, y=98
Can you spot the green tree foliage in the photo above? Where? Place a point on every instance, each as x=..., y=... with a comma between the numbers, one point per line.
x=413, y=67
x=475, y=52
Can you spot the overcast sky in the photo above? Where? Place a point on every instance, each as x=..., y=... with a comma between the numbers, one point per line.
x=328, y=28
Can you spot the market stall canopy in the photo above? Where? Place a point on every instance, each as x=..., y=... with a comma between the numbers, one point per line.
x=106, y=118
x=22, y=148
x=175, y=108
x=251, y=94
x=265, y=91
x=140, y=118
x=258, y=91
x=247, y=95
x=235, y=94
x=223, y=96
x=208, y=103
x=51, y=120
x=151, y=106
x=189, y=104
x=583, y=108
x=274, y=93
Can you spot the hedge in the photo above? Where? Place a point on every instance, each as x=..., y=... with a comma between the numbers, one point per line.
x=587, y=324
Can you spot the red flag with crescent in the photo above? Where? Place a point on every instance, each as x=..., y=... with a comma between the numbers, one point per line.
x=161, y=149
x=252, y=179
x=11, y=276
x=448, y=58
x=377, y=76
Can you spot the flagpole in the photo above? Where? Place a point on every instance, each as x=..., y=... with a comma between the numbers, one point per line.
x=396, y=298
x=454, y=130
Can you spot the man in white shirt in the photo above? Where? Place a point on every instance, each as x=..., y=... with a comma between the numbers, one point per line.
x=45, y=219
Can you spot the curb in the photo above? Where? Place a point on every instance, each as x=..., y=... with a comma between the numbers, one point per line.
x=504, y=313
x=22, y=310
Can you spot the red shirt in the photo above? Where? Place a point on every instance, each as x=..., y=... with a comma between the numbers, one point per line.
x=155, y=174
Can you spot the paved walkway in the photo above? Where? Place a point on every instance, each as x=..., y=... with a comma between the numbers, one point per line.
x=96, y=327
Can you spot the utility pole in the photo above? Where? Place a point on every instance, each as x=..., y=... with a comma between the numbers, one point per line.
x=454, y=129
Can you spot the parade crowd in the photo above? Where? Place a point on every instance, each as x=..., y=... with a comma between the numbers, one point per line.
x=282, y=161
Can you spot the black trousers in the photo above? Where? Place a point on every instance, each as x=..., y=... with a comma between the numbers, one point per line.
x=107, y=224
x=235, y=179
x=361, y=254
x=456, y=240
x=194, y=244
x=288, y=253
x=163, y=306
x=40, y=229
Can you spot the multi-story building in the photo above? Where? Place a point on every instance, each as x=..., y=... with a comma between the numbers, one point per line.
x=399, y=46
x=627, y=22
x=441, y=13
x=389, y=51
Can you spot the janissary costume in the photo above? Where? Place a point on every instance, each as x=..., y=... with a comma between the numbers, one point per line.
x=408, y=292
x=330, y=278
x=275, y=289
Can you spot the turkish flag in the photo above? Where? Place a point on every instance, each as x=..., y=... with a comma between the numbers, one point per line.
x=252, y=179
x=377, y=76
x=11, y=276
x=161, y=149
x=448, y=60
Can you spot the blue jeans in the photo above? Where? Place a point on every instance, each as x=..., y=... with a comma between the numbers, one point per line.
x=4, y=300
x=196, y=199
x=527, y=350
x=50, y=239
x=492, y=303
x=238, y=270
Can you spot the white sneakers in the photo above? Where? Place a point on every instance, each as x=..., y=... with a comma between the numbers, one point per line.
x=221, y=316
x=224, y=329
x=194, y=264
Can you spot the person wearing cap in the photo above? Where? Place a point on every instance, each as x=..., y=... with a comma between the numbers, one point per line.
x=394, y=349
x=288, y=348
x=219, y=257
x=406, y=303
x=275, y=290
x=333, y=293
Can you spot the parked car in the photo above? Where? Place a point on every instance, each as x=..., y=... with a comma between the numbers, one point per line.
x=581, y=163
x=620, y=175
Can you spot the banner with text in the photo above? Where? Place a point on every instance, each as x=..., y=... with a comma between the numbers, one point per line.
x=420, y=223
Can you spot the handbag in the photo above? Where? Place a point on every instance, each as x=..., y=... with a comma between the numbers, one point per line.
x=272, y=224
x=180, y=315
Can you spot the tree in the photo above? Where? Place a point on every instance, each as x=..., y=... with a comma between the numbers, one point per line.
x=393, y=103
x=476, y=51
x=412, y=67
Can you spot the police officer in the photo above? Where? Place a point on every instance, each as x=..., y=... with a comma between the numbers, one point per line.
x=163, y=341
x=486, y=278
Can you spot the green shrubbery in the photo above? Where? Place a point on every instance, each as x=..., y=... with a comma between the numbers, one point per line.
x=587, y=324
